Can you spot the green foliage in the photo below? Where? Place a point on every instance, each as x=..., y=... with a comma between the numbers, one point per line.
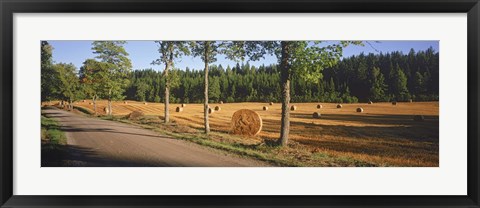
x=309, y=59
x=118, y=65
x=399, y=84
x=214, y=89
x=141, y=91
x=341, y=83
x=48, y=75
x=378, y=87
x=207, y=50
x=93, y=75
x=376, y=77
x=67, y=82
x=170, y=51
x=157, y=99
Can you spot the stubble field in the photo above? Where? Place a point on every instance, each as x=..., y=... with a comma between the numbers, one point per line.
x=382, y=135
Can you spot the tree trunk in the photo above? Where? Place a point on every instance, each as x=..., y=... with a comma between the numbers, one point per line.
x=285, y=83
x=70, y=106
x=110, y=102
x=167, y=93
x=109, y=107
x=205, y=109
x=94, y=100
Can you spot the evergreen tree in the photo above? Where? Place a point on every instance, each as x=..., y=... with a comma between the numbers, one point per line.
x=378, y=86
x=399, y=84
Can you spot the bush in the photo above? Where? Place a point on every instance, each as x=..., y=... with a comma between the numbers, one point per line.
x=157, y=99
x=230, y=100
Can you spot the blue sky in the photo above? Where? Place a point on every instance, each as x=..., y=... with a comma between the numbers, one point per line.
x=142, y=53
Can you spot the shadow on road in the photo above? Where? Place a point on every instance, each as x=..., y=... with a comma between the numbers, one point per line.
x=74, y=156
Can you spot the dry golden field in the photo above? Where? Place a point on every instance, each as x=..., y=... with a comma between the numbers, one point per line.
x=383, y=134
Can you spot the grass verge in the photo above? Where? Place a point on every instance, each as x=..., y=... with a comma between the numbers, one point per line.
x=53, y=142
x=293, y=155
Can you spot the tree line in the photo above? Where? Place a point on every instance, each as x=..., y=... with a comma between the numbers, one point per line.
x=307, y=71
x=374, y=77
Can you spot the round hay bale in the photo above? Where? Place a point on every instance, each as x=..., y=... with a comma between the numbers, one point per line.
x=339, y=106
x=271, y=103
x=84, y=101
x=293, y=108
x=359, y=110
x=217, y=108
x=125, y=102
x=319, y=106
x=210, y=110
x=246, y=122
x=221, y=102
x=178, y=109
x=184, y=105
x=370, y=102
x=411, y=100
x=265, y=108
x=418, y=118
x=136, y=114
x=316, y=115
x=90, y=103
x=394, y=103
x=145, y=103
x=106, y=110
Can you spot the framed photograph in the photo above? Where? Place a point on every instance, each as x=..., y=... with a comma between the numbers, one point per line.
x=239, y=104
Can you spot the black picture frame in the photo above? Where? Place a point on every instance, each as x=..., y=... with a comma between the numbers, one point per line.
x=9, y=7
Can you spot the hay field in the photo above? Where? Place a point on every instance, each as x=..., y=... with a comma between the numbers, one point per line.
x=383, y=134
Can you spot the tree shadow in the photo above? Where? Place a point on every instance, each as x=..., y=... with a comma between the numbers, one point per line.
x=75, y=156
x=371, y=118
x=388, y=127
x=106, y=130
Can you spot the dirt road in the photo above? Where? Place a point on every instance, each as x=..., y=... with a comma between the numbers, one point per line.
x=98, y=143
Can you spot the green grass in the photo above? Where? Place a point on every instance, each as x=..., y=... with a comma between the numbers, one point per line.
x=53, y=142
x=83, y=110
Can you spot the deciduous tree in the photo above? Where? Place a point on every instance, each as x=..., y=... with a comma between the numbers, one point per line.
x=119, y=66
x=169, y=51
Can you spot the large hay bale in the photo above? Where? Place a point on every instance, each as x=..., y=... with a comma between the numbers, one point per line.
x=316, y=115
x=84, y=101
x=370, y=102
x=179, y=109
x=134, y=115
x=106, y=110
x=293, y=108
x=271, y=103
x=359, y=110
x=221, y=102
x=418, y=118
x=217, y=108
x=145, y=103
x=265, y=108
x=411, y=100
x=90, y=103
x=319, y=106
x=246, y=122
x=339, y=106
x=125, y=102
x=184, y=105
x=394, y=103
x=210, y=110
